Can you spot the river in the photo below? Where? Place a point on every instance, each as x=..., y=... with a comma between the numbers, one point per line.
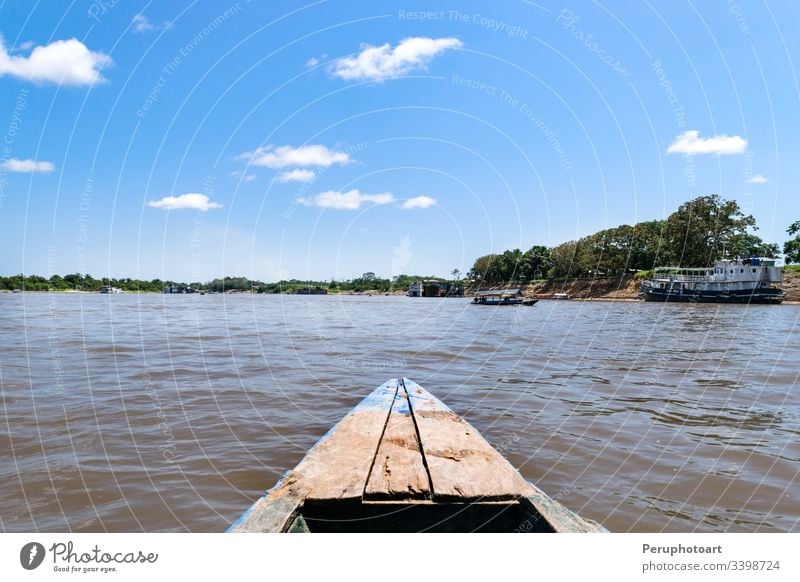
x=154, y=413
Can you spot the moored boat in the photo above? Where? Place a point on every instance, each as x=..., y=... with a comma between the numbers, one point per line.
x=728, y=281
x=502, y=297
x=402, y=461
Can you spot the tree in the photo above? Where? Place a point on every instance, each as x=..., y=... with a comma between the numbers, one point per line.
x=564, y=258
x=647, y=248
x=700, y=229
x=791, y=248
x=536, y=262
x=508, y=265
x=456, y=273
x=750, y=245
x=484, y=270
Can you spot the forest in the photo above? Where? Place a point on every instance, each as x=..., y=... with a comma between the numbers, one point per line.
x=698, y=233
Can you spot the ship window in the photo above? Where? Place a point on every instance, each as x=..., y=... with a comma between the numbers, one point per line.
x=754, y=270
x=731, y=270
x=741, y=270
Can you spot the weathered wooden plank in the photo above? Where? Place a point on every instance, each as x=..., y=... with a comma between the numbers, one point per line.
x=561, y=519
x=336, y=467
x=461, y=464
x=399, y=471
x=271, y=513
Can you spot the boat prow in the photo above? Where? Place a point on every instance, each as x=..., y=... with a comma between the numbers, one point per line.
x=402, y=461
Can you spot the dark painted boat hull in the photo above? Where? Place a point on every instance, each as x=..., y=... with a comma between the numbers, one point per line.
x=525, y=302
x=764, y=295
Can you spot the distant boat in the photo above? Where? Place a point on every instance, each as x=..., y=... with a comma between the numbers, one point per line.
x=560, y=296
x=109, y=289
x=502, y=297
x=431, y=288
x=17, y=290
x=729, y=281
x=402, y=461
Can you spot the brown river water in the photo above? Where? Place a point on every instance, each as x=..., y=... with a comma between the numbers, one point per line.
x=173, y=413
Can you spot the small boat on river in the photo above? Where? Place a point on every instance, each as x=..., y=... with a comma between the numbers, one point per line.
x=502, y=297
x=728, y=281
x=402, y=461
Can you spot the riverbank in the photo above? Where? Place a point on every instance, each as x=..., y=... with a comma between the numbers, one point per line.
x=627, y=288
x=597, y=289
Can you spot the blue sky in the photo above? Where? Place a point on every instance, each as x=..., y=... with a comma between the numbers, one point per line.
x=324, y=139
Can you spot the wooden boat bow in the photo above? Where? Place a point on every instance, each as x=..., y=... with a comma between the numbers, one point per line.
x=403, y=461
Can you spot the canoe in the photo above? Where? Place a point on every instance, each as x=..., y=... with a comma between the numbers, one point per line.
x=402, y=461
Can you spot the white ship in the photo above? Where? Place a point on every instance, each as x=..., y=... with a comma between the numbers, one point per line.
x=728, y=281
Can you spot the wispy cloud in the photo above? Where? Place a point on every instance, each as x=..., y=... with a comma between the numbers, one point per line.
x=690, y=143
x=242, y=176
x=757, y=179
x=296, y=176
x=142, y=24
x=308, y=155
x=27, y=166
x=350, y=200
x=66, y=62
x=377, y=63
x=312, y=62
x=191, y=201
x=418, y=202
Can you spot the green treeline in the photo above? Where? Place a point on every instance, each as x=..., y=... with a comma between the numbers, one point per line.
x=78, y=282
x=698, y=233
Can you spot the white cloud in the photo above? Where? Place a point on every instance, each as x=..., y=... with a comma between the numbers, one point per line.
x=690, y=143
x=296, y=175
x=312, y=62
x=418, y=202
x=66, y=62
x=185, y=201
x=308, y=155
x=351, y=200
x=27, y=166
x=377, y=63
x=141, y=24
x=757, y=179
x=244, y=177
